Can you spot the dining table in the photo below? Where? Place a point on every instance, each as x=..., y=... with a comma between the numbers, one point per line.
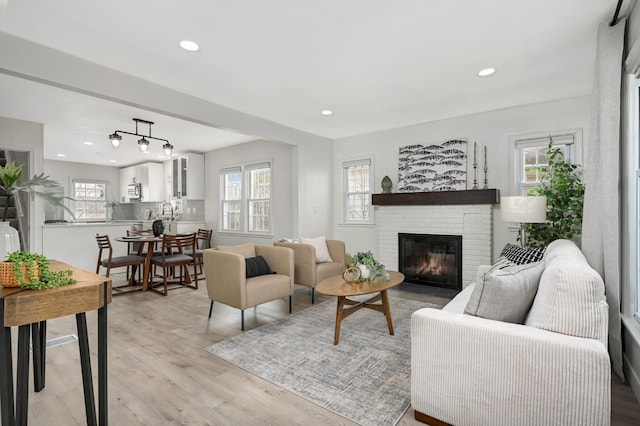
x=150, y=242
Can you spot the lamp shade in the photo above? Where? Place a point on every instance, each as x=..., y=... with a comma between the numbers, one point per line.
x=524, y=209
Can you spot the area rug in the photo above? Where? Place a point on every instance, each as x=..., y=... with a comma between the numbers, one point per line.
x=365, y=378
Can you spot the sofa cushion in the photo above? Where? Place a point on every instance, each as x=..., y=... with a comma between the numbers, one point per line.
x=570, y=299
x=322, y=252
x=521, y=255
x=246, y=250
x=506, y=294
x=256, y=266
x=501, y=263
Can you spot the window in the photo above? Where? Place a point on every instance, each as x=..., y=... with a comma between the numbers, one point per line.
x=89, y=199
x=531, y=154
x=246, y=198
x=357, y=177
x=259, y=198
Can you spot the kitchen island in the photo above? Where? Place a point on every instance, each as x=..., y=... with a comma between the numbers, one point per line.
x=75, y=242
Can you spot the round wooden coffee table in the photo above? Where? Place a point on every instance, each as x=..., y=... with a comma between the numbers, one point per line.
x=336, y=286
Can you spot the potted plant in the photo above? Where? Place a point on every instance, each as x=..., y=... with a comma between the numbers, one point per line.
x=10, y=175
x=370, y=268
x=562, y=186
x=31, y=271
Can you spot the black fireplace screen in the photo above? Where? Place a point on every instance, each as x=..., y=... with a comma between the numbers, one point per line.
x=431, y=259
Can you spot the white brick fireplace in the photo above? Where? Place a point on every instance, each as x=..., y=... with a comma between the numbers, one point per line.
x=473, y=221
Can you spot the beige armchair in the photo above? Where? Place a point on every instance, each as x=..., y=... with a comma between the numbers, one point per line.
x=307, y=271
x=225, y=274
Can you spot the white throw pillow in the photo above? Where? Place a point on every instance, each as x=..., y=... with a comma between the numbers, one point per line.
x=322, y=252
x=505, y=294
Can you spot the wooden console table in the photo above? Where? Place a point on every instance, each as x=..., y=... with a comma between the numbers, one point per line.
x=29, y=310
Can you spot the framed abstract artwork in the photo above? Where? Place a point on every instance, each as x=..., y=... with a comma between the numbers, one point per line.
x=435, y=167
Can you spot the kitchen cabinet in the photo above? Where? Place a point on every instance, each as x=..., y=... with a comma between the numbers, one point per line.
x=149, y=175
x=187, y=177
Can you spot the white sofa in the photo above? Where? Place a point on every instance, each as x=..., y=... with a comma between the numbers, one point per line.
x=552, y=370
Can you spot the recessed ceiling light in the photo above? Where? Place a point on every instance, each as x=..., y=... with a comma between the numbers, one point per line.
x=61, y=155
x=486, y=72
x=189, y=45
x=326, y=112
x=113, y=161
x=88, y=143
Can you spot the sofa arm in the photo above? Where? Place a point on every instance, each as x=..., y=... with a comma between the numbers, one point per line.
x=225, y=274
x=468, y=370
x=304, y=256
x=337, y=251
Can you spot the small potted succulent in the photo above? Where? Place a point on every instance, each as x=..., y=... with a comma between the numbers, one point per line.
x=31, y=271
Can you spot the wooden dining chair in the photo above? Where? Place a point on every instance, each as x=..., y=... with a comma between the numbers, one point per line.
x=107, y=260
x=203, y=242
x=176, y=252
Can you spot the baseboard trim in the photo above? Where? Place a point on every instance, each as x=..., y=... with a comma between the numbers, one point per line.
x=631, y=377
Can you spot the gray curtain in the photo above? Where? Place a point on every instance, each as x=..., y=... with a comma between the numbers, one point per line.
x=601, y=239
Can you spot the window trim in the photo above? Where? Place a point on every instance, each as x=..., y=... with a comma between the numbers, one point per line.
x=345, y=164
x=244, y=169
x=523, y=140
x=107, y=190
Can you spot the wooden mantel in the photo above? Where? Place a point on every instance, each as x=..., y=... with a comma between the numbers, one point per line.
x=472, y=196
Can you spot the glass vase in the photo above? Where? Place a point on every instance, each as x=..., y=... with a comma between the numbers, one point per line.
x=9, y=240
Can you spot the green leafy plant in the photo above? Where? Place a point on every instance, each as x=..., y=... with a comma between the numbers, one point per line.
x=367, y=259
x=31, y=262
x=10, y=175
x=562, y=186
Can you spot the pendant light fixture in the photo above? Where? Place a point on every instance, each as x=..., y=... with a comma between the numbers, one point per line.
x=143, y=143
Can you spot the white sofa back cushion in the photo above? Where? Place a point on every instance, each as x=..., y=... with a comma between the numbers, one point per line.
x=570, y=297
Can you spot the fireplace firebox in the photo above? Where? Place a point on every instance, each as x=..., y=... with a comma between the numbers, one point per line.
x=431, y=259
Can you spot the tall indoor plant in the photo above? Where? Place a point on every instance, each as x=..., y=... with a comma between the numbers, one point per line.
x=11, y=184
x=562, y=186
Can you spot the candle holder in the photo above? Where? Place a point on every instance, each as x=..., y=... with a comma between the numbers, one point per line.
x=475, y=166
x=486, y=182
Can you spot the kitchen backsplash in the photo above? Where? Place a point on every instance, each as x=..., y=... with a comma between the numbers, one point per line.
x=192, y=210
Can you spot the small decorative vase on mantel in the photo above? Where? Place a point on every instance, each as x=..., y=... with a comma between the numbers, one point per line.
x=9, y=239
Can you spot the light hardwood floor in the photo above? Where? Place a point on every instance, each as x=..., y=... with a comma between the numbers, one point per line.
x=159, y=373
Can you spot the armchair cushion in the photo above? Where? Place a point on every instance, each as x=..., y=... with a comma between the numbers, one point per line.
x=506, y=294
x=256, y=266
x=322, y=252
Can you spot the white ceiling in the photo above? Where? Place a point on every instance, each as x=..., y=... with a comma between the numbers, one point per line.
x=378, y=64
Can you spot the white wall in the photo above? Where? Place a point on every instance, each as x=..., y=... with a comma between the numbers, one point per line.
x=492, y=129
x=281, y=191
x=65, y=171
x=20, y=135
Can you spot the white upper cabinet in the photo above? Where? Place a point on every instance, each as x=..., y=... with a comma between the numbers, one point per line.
x=187, y=177
x=151, y=178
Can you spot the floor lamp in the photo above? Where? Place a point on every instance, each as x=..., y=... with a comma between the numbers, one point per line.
x=524, y=210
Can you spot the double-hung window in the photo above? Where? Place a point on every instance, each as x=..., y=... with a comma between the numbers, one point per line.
x=246, y=198
x=357, y=176
x=90, y=199
x=531, y=155
x=231, y=199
